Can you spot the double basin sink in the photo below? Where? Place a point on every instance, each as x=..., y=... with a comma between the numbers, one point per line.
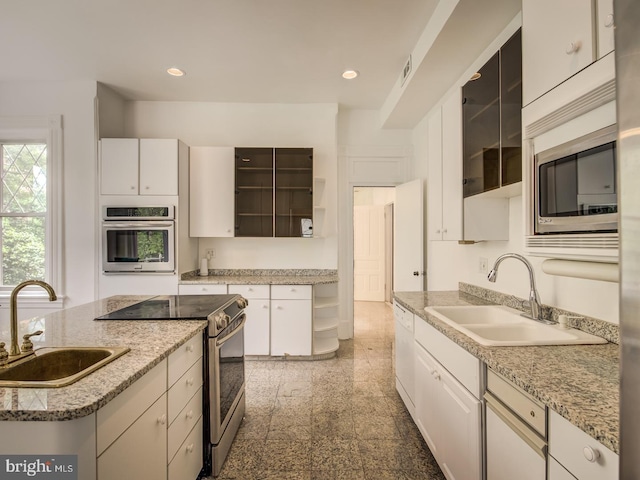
x=57, y=366
x=497, y=325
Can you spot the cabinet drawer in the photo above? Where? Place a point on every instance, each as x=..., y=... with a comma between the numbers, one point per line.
x=571, y=447
x=294, y=292
x=462, y=365
x=202, y=289
x=141, y=451
x=530, y=410
x=116, y=416
x=184, y=389
x=183, y=358
x=187, y=463
x=250, y=291
x=183, y=423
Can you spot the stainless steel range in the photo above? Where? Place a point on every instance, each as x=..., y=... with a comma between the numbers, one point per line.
x=224, y=400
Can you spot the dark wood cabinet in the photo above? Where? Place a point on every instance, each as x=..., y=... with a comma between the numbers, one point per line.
x=274, y=191
x=491, y=112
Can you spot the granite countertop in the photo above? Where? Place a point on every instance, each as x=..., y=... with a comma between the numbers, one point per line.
x=262, y=277
x=580, y=382
x=150, y=342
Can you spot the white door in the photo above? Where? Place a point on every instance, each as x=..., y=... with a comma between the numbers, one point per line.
x=368, y=253
x=408, y=251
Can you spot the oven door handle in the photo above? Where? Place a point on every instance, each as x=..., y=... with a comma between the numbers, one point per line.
x=221, y=341
x=136, y=224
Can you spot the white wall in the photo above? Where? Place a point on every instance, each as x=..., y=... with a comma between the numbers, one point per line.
x=254, y=125
x=75, y=102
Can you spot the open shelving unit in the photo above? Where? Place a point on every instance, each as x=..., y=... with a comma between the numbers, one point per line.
x=325, y=318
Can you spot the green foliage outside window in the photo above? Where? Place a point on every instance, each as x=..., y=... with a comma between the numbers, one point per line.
x=24, y=205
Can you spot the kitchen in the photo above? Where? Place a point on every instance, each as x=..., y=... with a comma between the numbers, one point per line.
x=346, y=136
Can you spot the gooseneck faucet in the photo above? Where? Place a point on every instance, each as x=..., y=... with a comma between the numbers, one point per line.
x=534, y=298
x=13, y=308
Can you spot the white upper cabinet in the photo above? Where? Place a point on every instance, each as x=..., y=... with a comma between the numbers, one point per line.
x=119, y=166
x=557, y=42
x=444, y=181
x=138, y=167
x=158, y=167
x=211, y=191
x=605, y=27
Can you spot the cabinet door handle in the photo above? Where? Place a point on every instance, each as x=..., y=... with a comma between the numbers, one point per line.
x=444, y=231
x=190, y=382
x=189, y=448
x=436, y=375
x=265, y=306
x=278, y=307
x=573, y=47
x=591, y=454
x=437, y=231
x=189, y=414
x=162, y=419
x=608, y=23
x=189, y=348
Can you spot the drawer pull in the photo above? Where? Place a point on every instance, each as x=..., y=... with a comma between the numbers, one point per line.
x=189, y=448
x=532, y=413
x=591, y=454
x=162, y=419
x=573, y=47
x=189, y=348
x=190, y=382
x=436, y=375
x=189, y=414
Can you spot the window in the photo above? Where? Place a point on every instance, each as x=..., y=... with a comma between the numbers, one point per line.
x=28, y=200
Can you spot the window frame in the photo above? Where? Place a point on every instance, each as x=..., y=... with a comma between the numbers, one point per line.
x=45, y=129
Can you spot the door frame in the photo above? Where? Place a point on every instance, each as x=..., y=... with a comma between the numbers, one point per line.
x=361, y=166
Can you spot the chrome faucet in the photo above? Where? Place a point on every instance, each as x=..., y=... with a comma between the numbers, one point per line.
x=13, y=308
x=534, y=298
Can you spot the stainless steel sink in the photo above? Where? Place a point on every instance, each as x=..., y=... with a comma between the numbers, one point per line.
x=497, y=325
x=57, y=366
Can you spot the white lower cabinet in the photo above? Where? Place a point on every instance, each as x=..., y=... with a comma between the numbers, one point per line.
x=257, y=330
x=291, y=310
x=447, y=414
x=581, y=456
x=155, y=422
x=141, y=451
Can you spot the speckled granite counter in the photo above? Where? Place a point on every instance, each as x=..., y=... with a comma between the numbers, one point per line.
x=580, y=382
x=262, y=277
x=149, y=341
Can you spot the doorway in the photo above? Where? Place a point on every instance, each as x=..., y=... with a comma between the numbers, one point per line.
x=373, y=243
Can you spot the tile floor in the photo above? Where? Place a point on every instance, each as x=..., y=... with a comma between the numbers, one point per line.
x=336, y=419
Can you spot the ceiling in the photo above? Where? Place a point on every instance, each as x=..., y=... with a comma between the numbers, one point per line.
x=254, y=51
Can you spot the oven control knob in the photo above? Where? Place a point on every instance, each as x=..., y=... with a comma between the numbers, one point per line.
x=222, y=321
x=242, y=302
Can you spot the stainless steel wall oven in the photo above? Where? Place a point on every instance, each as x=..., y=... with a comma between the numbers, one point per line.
x=138, y=239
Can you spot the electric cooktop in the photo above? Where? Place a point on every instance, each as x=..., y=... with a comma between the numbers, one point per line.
x=169, y=307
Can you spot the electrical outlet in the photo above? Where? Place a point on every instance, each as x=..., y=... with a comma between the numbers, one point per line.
x=211, y=253
x=483, y=265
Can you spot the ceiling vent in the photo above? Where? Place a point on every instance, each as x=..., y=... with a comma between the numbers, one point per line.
x=406, y=71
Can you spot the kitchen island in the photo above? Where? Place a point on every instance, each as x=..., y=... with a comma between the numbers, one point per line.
x=89, y=417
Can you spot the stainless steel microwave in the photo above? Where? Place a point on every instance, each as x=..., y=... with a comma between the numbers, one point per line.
x=575, y=185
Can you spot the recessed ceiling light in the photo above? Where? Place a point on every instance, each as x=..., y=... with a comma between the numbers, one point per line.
x=475, y=76
x=175, y=71
x=350, y=74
